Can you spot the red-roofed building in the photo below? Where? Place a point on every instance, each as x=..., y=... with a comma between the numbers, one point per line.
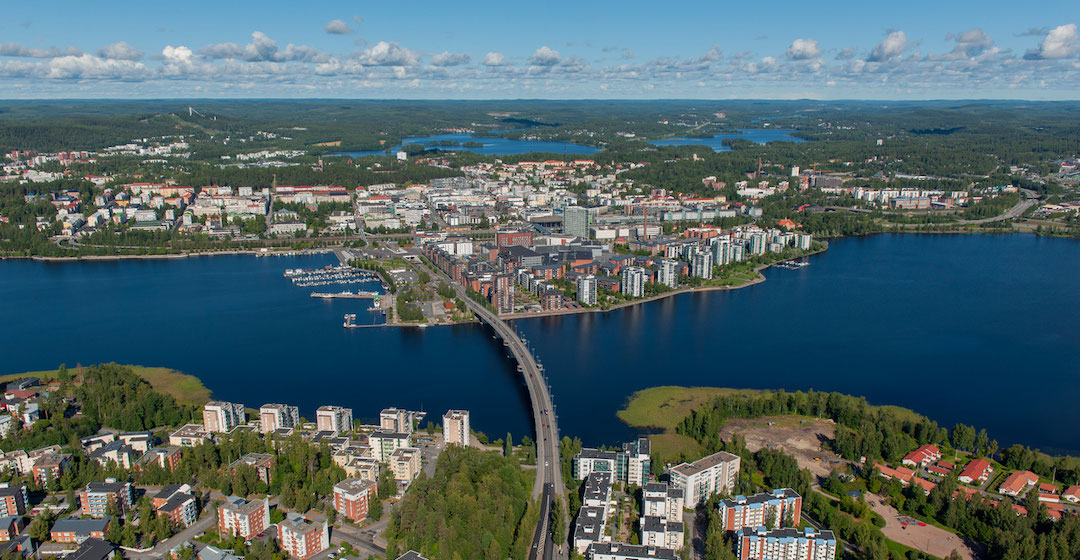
x=1048, y=493
x=926, y=485
x=977, y=470
x=922, y=456
x=786, y=224
x=1072, y=494
x=1016, y=482
x=903, y=474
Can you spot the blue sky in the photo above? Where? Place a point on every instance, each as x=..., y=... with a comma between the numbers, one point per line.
x=627, y=49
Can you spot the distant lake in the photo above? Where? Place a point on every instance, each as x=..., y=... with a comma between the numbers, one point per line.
x=492, y=146
x=979, y=329
x=758, y=135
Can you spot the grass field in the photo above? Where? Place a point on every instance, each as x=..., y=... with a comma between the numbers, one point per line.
x=663, y=408
x=184, y=388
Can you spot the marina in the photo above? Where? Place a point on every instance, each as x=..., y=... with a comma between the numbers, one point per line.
x=329, y=275
x=346, y=295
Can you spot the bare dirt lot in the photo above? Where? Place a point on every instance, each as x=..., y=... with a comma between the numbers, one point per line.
x=927, y=538
x=796, y=435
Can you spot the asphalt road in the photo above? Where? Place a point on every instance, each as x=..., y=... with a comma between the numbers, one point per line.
x=548, y=470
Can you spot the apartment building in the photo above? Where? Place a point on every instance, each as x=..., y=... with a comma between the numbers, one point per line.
x=592, y=517
x=13, y=500
x=49, y=466
x=630, y=465
x=456, y=430
x=384, y=444
x=273, y=417
x=334, y=419
x=303, y=538
x=622, y=551
x=263, y=463
x=662, y=516
x=667, y=272
x=222, y=417
x=633, y=281
x=396, y=420
x=246, y=519
x=405, y=464
x=97, y=497
x=704, y=477
x=75, y=530
x=177, y=501
x=785, y=544
x=353, y=496
x=165, y=457
x=780, y=508
x=189, y=435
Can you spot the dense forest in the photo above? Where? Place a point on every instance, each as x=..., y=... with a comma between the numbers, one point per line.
x=473, y=508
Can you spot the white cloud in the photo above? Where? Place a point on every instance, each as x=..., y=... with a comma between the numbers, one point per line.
x=389, y=54
x=450, y=59
x=15, y=49
x=338, y=27
x=889, y=48
x=222, y=50
x=969, y=44
x=263, y=49
x=846, y=53
x=1061, y=42
x=545, y=56
x=713, y=54
x=803, y=49
x=495, y=59
x=120, y=51
x=86, y=66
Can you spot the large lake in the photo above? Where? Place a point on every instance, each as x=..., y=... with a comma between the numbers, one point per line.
x=981, y=329
x=502, y=146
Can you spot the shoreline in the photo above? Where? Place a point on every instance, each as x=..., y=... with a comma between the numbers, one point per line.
x=256, y=253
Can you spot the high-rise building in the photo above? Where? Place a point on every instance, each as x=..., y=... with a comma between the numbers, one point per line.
x=631, y=465
x=785, y=544
x=502, y=296
x=577, y=220
x=667, y=272
x=716, y=473
x=277, y=416
x=701, y=265
x=334, y=419
x=802, y=241
x=222, y=417
x=396, y=420
x=633, y=281
x=757, y=243
x=586, y=290
x=721, y=250
x=456, y=430
x=780, y=508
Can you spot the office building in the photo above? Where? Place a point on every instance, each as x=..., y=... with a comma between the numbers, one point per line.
x=239, y=517
x=353, y=497
x=222, y=417
x=705, y=477
x=303, y=538
x=780, y=508
x=273, y=417
x=785, y=544
x=586, y=290
x=633, y=281
x=456, y=430
x=334, y=419
x=577, y=220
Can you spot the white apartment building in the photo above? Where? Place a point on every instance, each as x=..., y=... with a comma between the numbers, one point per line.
x=276, y=416
x=667, y=272
x=633, y=281
x=586, y=290
x=334, y=419
x=222, y=417
x=704, y=477
x=456, y=430
x=785, y=544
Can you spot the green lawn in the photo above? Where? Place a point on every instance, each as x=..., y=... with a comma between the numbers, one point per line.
x=894, y=546
x=184, y=388
x=664, y=407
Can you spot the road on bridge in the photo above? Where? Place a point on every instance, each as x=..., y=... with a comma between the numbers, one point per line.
x=548, y=467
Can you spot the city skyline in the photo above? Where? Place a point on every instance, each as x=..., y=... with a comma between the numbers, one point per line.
x=629, y=50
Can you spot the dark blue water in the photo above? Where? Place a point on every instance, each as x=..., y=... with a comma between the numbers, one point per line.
x=978, y=329
x=491, y=147
x=759, y=135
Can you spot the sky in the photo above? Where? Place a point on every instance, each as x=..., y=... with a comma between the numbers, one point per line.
x=946, y=49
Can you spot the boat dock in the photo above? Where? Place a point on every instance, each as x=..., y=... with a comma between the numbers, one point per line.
x=345, y=295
